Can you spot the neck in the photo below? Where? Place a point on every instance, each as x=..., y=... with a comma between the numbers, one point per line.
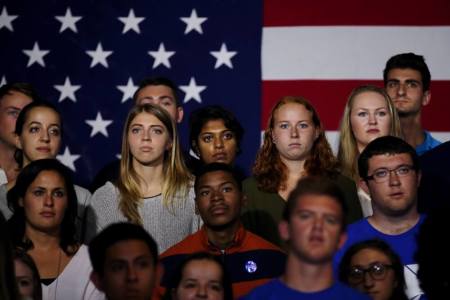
x=394, y=225
x=43, y=240
x=223, y=237
x=294, y=167
x=412, y=130
x=307, y=277
x=151, y=178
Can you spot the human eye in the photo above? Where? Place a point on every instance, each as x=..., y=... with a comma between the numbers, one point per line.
x=34, y=129
x=55, y=131
x=204, y=193
x=382, y=113
x=207, y=138
x=24, y=282
x=217, y=287
x=117, y=267
x=392, y=84
x=304, y=215
x=189, y=284
x=227, y=189
x=13, y=113
x=144, y=263
x=283, y=125
x=332, y=220
x=157, y=130
x=228, y=135
x=356, y=272
x=403, y=170
x=38, y=192
x=412, y=84
x=135, y=130
x=380, y=173
x=377, y=269
x=303, y=125
x=362, y=114
x=59, y=193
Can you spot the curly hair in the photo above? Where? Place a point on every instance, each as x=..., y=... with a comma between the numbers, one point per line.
x=271, y=173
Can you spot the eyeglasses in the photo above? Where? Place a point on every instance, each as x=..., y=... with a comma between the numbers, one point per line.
x=382, y=174
x=377, y=271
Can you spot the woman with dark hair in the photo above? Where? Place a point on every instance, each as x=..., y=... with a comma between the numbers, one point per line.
x=373, y=268
x=27, y=276
x=294, y=146
x=215, y=134
x=200, y=276
x=39, y=135
x=44, y=206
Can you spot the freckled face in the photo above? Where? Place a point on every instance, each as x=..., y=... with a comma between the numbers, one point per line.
x=294, y=132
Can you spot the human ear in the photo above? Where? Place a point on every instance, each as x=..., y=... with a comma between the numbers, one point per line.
x=283, y=230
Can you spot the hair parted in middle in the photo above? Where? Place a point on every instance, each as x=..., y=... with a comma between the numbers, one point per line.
x=177, y=179
x=348, y=152
x=270, y=172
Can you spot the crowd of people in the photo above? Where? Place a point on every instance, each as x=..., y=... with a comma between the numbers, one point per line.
x=162, y=224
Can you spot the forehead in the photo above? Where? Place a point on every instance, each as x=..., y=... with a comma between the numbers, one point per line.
x=42, y=115
x=214, y=125
x=292, y=111
x=146, y=118
x=367, y=256
x=48, y=178
x=151, y=91
x=389, y=161
x=216, y=178
x=15, y=99
x=318, y=204
x=202, y=269
x=404, y=74
x=369, y=99
x=127, y=249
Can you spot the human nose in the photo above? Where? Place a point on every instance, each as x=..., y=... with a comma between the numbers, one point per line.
x=45, y=137
x=217, y=195
x=372, y=119
x=218, y=142
x=146, y=135
x=294, y=131
x=393, y=177
x=401, y=89
x=48, y=200
x=202, y=291
x=131, y=274
x=318, y=223
x=368, y=281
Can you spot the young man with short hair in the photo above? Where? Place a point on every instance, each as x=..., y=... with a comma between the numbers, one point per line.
x=13, y=97
x=407, y=81
x=250, y=260
x=389, y=168
x=313, y=225
x=124, y=259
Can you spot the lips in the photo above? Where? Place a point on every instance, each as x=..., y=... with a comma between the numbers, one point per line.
x=396, y=195
x=218, y=209
x=294, y=145
x=373, y=130
x=43, y=149
x=47, y=214
x=146, y=149
x=221, y=156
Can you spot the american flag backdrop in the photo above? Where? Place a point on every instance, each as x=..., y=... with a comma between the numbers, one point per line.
x=88, y=56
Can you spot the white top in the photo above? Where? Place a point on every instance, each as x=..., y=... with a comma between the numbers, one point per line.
x=74, y=281
x=3, y=178
x=167, y=227
x=366, y=202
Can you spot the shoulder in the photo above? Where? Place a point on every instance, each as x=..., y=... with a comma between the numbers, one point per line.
x=253, y=241
x=189, y=244
x=346, y=292
x=265, y=291
x=108, y=193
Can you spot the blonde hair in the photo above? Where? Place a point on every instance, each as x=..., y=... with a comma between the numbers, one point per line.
x=177, y=179
x=348, y=152
x=271, y=173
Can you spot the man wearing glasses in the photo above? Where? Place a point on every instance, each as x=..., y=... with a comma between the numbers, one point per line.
x=407, y=81
x=390, y=173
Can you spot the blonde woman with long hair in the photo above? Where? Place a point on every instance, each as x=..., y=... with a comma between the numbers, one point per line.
x=154, y=188
x=368, y=114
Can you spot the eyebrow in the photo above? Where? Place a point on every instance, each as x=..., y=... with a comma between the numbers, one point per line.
x=39, y=123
